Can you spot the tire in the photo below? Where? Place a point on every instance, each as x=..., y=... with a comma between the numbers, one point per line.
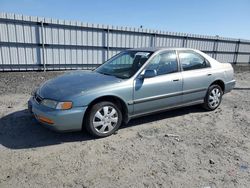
x=104, y=119
x=213, y=97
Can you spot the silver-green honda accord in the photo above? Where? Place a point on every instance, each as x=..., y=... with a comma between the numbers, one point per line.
x=133, y=83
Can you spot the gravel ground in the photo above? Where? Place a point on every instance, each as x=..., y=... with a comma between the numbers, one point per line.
x=211, y=149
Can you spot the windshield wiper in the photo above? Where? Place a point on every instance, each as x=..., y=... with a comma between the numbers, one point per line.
x=104, y=73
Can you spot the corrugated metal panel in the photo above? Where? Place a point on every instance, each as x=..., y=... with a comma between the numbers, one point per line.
x=200, y=44
x=244, y=48
x=3, y=32
x=226, y=46
x=210, y=54
x=6, y=55
x=243, y=59
x=1, y=56
x=225, y=58
x=168, y=42
x=71, y=44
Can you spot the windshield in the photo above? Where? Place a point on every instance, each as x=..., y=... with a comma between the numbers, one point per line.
x=125, y=64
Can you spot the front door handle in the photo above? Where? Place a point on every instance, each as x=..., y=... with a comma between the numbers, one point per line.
x=176, y=80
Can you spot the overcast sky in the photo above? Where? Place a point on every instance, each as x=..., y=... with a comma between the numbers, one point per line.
x=228, y=18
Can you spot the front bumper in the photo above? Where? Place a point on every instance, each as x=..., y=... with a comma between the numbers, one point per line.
x=229, y=86
x=63, y=120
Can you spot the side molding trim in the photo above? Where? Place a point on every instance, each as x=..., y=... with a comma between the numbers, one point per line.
x=147, y=99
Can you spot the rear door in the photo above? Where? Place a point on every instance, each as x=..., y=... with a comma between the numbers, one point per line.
x=162, y=91
x=196, y=74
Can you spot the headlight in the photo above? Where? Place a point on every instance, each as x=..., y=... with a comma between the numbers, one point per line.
x=49, y=103
x=56, y=105
x=64, y=105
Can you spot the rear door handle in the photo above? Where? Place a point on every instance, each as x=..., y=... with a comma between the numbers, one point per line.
x=209, y=74
x=176, y=80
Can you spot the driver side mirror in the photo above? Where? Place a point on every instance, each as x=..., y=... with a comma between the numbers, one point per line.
x=149, y=74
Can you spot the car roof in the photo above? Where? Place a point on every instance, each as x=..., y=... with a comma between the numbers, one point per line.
x=154, y=49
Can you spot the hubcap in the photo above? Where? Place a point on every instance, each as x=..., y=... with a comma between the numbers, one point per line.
x=214, y=98
x=105, y=119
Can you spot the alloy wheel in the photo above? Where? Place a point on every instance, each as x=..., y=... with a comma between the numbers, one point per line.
x=105, y=119
x=214, y=98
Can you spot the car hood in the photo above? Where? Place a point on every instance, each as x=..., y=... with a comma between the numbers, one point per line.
x=74, y=83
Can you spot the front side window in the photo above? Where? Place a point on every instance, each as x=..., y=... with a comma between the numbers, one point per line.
x=164, y=63
x=191, y=61
x=125, y=64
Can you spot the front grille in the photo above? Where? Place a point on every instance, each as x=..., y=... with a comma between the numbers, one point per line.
x=38, y=99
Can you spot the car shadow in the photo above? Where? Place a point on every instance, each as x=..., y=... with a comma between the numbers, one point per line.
x=20, y=130
x=165, y=115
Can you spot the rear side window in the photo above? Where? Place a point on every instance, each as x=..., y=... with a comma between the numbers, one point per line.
x=191, y=60
x=164, y=63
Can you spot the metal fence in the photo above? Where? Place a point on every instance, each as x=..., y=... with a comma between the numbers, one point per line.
x=34, y=43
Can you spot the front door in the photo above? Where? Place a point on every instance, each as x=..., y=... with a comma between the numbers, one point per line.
x=161, y=91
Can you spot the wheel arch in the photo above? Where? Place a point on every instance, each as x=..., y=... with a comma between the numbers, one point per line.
x=220, y=83
x=111, y=98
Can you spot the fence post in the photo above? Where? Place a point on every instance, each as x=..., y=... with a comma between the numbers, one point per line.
x=215, y=47
x=236, y=51
x=107, y=43
x=154, y=39
x=43, y=47
x=184, y=41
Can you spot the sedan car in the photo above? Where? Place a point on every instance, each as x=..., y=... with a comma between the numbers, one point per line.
x=133, y=83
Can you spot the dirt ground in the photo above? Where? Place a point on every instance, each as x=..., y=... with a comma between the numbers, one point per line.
x=212, y=149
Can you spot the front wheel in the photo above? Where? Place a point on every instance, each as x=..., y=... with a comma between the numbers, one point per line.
x=213, y=97
x=104, y=119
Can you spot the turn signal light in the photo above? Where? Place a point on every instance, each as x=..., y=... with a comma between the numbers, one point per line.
x=45, y=120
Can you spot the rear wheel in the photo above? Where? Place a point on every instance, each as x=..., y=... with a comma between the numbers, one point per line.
x=104, y=119
x=213, y=97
